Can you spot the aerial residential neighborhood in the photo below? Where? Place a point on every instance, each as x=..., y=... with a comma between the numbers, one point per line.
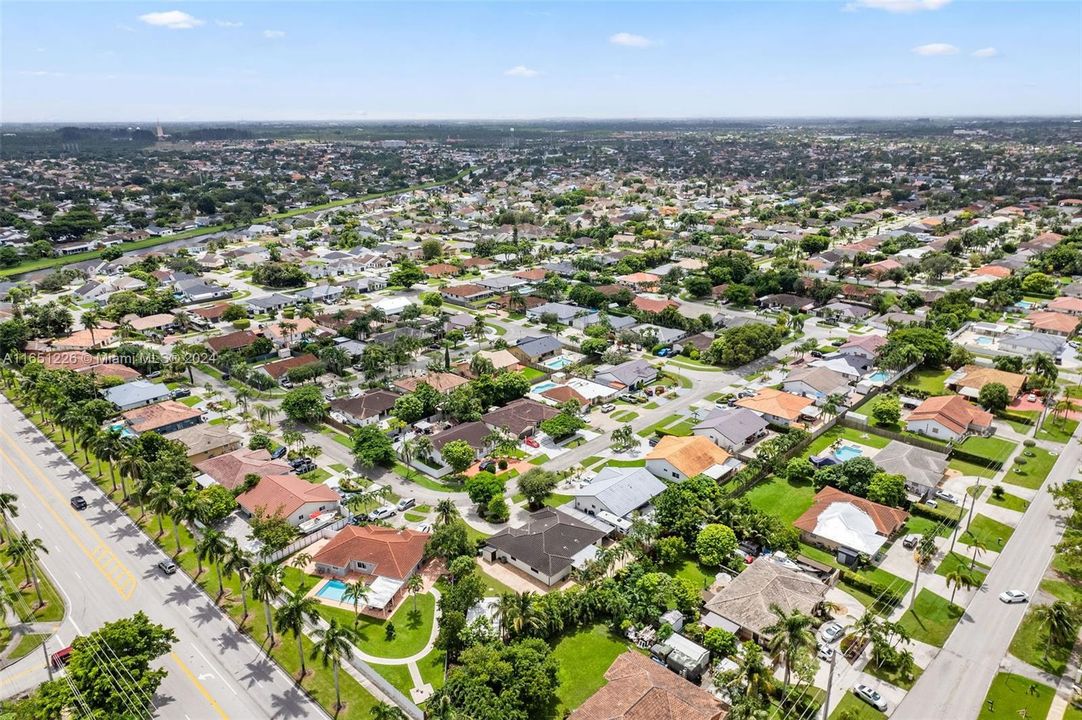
x=626, y=417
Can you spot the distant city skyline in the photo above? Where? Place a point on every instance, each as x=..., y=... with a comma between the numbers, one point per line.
x=383, y=61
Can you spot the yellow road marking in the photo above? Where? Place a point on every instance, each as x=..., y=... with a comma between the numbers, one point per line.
x=12, y=678
x=104, y=559
x=199, y=686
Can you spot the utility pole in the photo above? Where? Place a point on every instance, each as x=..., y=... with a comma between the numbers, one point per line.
x=830, y=683
x=48, y=660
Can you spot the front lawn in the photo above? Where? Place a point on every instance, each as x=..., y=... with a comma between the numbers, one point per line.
x=918, y=525
x=1031, y=474
x=316, y=476
x=1009, y=501
x=1010, y=694
x=955, y=560
x=967, y=468
x=1030, y=645
x=689, y=569
x=993, y=533
x=931, y=618
x=17, y=587
x=661, y=425
x=583, y=657
x=933, y=382
x=782, y=498
x=1056, y=429
x=891, y=675
x=1063, y=590
x=992, y=448
x=853, y=708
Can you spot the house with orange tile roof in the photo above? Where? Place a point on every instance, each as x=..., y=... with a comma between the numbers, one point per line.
x=849, y=525
x=441, y=270
x=85, y=339
x=1053, y=323
x=779, y=407
x=395, y=553
x=948, y=417
x=994, y=271
x=680, y=458
x=441, y=382
x=230, y=470
x=164, y=417
x=1066, y=304
x=278, y=368
x=637, y=688
x=289, y=497
x=639, y=281
x=650, y=305
x=969, y=379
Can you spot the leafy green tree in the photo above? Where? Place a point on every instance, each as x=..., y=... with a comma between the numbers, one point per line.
x=536, y=485
x=305, y=404
x=994, y=396
x=720, y=642
x=510, y=682
x=887, y=489
x=459, y=455
x=886, y=409
x=406, y=274
x=372, y=447
x=715, y=545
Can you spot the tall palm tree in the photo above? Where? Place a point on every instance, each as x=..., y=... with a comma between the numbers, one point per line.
x=751, y=678
x=84, y=434
x=161, y=499
x=212, y=547
x=24, y=550
x=524, y=617
x=383, y=711
x=979, y=546
x=106, y=447
x=265, y=582
x=91, y=321
x=446, y=512
x=290, y=617
x=790, y=637
x=188, y=509
x=356, y=592
x=9, y=508
x=333, y=645
x=959, y=578
x=414, y=585
x=131, y=463
x=1059, y=619
x=238, y=561
x=505, y=611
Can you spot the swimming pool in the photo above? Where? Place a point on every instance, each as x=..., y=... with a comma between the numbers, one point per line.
x=558, y=363
x=880, y=376
x=1025, y=304
x=982, y=340
x=123, y=430
x=543, y=386
x=332, y=590
x=847, y=452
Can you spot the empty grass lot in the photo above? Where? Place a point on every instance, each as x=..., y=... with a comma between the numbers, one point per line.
x=583, y=658
x=932, y=382
x=782, y=498
x=690, y=569
x=1010, y=694
x=931, y=618
x=993, y=533
x=1033, y=472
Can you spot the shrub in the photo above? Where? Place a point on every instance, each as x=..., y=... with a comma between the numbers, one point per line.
x=883, y=593
x=496, y=510
x=998, y=492
x=1029, y=442
x=259, y=441
x=939, y=516
x=242, y=324
x=502, y=464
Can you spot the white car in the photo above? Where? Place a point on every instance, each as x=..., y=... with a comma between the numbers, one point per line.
x=384, y=513
x=948, y=497
x=1013, y=596
x=871, y=697
x=825, y=652
x=831, y=631
x=1031, y=397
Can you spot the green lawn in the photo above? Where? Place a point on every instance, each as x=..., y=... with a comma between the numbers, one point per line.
x=338, y=467
x=689, y=364
x=891, y=675
x=918, y=525
x=191, y=400
x=853, y=708
x=931, y=618
x=587, y=462
x=1009, y=694
x=336, y=436
x=954, y=560
x=1030, y=645
x=1009, y=501
x=397, y=675
x=626, y=416
x=316, y=476
x=932, y=382
x=782, y=498
x=1031, y=475
x=857, y=437
x=690, y=569
x=1056, y=429
x=1063, y=590
x=26, y=645
x=661, y=425
x=532, y=375
x=493, y=586
x=539, y=460
x=994, y=533
x=584, y=656
x=18, y=588
x=992, y=448
x=967, y=468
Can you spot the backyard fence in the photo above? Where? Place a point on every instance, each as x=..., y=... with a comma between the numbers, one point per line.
x=857, y=422
x=307, y=540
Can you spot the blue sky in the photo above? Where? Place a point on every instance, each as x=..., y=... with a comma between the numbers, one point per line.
x=112, y=61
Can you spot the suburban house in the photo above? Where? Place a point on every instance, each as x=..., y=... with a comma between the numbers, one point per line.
x=1026, y=344
x=848, y=525
x=731, y=429
x=475, y=434
x=230, y=470
x=923, y=469
x=288, y=497
x=630, y=375
x=852, y=366
x=969, y=379
x=817, y=383
x=744, y=605
x=206, y=441
x=441, y=382
x=949, y=417
x=371, y=407
x=786, y=301
x=273, y=303
x=547, y=547
x=565, y=314
x=137, y=393
x=617, y=492
x=164, y=417
x=500, y=359
x=1053, y=323
x=865, y=346
x=780, y=408
x=637, y=688
x=320, y=294
x=277, y=369
x=385, y=557
x=680, y=458
x=533, y=350
x=230, y=341
x=639, y=281
x=520, y=417
x=1066, y=304
x=465, y=294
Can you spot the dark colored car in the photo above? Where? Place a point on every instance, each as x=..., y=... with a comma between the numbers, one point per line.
x=180, y=393
x=278, y=453
x=488, y=466
x=78, y=502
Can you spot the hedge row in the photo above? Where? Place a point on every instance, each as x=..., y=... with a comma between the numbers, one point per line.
x=884, y=594
x=961, y=454
x=1013, y=417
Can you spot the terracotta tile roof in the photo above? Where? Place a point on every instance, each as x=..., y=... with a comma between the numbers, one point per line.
x=213, y=312
x=563, y=393
x=952, y=412
x=1054, y=321
x=975, y=377
x=640, y=689
x=278, y=368
x=996, y=271
x=439, y=381
x=284, y=495
x=441, y=270
x=653, y=306
x=1066, y=304
x=690, y=455
x=86, y=339
x=116, y=370
x=777, y=403
x=231, y=341
x=464, y=291
x=533, y=274
x=230, y=469
x=394, y=552
x=300, y=327
x=887, y=519
x=159, y=415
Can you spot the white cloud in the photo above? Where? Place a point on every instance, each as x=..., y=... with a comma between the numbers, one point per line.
x=985, y=52
x=521, y=71
x=933, y=49
x=41, y=73
x=631, y=40
x=227, y=23
x=172, y=19
x=898, y=6
x=274, y=34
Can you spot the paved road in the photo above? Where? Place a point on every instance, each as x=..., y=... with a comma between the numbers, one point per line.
x=955, y=683
x=104, y=568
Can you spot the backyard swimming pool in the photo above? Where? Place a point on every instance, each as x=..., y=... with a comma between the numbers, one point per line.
x=332, y=590
x=558, y=363
x=847, y=452
x=880, y=376
x=543, y=386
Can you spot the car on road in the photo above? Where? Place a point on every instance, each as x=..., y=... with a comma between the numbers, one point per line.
x=384, y=513
x=1014, y=596
x=948, y=497
x=825, y=652
x=746, y=393
x=180, y=393
x=406, y=504
x=607, y=408
x=870, y=696
x=831, y=631
x=78, y=502
x=910, y=541
x=167, y=566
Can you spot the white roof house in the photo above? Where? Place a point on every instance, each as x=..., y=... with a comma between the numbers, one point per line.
x=851, y=527
x=619, y=491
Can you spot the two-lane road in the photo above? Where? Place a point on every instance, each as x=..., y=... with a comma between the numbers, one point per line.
x=105, y=569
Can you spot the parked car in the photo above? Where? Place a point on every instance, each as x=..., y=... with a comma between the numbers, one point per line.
x=1031, y=397
x=287, y=383
x=406, y=504
x=180, y=393
x=167, y=566
x=60, y=658
x=825, y=652
x=746, y=393
x=226, y=377
x=816, y=354
x=384, y=513
x=607, y=408
x=663, y=352
x=78, y=502
x=487, y=466
x=838, y=342
x=911, y=541
x=948, y=497
x=492, y=306
x=870, y=696
x=654, y=440
x=424, y=527
x=359, y=519
x=302, y=465
x=1014, y=596
x=931, y=503
x=831, y=631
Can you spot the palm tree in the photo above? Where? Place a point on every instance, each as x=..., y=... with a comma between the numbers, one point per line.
x=290, y=617
x=300, y=560
x=959, y=578
x=356, y=592
x=751, y=678
x=106, y=447
x=505, y=611
x=84, y=434
x=383, y=711
x=132, y=463
x=979, y=546
x=333, y=645
x=524, y=616
x=238, y=561
x=1059, y=618
x=415, y=584
x=162, y=498
x=91, y=321
x=790, y=636
x=446, y=512
x=9, y=509
x=265, y=582
x=24, y=550
x=212, y=547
